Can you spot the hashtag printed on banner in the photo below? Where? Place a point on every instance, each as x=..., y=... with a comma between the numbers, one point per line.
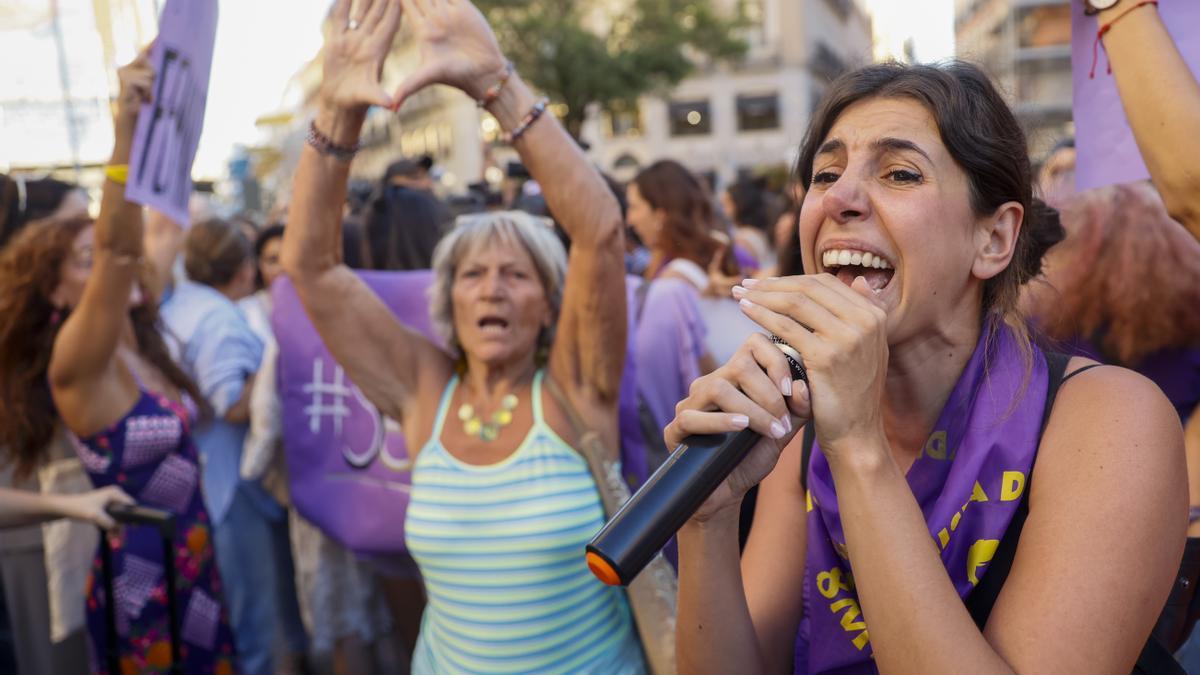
x=337, y=392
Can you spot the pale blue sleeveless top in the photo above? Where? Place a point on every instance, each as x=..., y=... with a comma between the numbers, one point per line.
x=501, y=549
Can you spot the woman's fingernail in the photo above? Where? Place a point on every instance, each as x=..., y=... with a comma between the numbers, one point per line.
x=777, y=430
x=739, y=292
x=749, y=283
x=800, y=387
x=785, y=386
x=786, y=421
x=744, y=302
x=739, y=421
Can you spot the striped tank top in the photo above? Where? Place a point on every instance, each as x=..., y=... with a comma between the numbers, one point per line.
x=501, y=550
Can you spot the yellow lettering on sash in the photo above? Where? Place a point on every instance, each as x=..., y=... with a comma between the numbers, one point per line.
x=850, y=622
x=1011, y=486
x=943, y=538
x=980, y=554
x=935, y=447
x=831, y=582
x=978, y=495
x=954, y=521
x=808, y=500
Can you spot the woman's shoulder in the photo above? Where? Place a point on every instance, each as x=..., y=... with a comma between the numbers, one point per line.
x=1108, y=418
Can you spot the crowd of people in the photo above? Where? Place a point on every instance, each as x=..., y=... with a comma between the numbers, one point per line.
x=963, y=321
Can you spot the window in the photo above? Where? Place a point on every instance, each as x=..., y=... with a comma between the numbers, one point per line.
x=690, y=118
x=758, y=112
x=825, y=63
x=626, y=121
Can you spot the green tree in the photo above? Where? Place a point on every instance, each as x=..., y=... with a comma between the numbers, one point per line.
x=579, y=54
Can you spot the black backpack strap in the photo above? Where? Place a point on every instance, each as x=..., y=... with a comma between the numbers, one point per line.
x=983, y=598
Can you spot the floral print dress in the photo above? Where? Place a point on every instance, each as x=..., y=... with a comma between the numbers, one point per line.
x=149, y=453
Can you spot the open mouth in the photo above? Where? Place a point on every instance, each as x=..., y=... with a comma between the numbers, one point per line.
x=493, y=324
x=848, y=263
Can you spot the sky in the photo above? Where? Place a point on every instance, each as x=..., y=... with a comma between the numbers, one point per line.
x=262, y=43
x=929, y=23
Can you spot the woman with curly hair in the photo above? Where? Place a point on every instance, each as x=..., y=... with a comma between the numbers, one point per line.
x=1124, y=288
x=80, y=347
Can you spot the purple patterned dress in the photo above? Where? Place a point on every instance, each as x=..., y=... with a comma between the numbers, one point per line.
x=149, y=453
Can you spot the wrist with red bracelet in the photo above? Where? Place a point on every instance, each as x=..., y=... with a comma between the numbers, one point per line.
x=1106, y=24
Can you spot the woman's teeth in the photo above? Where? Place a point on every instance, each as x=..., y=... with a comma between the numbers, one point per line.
x=843, y=257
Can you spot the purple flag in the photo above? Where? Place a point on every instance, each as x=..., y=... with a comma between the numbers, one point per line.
x=349, y=468
x=1107, y=153
x=168, y=128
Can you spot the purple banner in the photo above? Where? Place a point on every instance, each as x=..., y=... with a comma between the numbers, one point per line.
x=168, y=129
x=349, y=468
x=1106, y=151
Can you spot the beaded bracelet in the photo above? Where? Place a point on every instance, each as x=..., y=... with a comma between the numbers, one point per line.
x=325, y=145
x=530, y=117
x=493, y=92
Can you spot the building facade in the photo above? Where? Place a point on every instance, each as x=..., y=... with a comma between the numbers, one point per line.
x=730, y=119
x=1025, y=45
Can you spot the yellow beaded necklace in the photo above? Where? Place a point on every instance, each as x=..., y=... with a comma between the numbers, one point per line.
x=489, y=430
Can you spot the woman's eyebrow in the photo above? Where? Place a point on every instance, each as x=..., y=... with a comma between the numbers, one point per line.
x=889, y=143
x=830, y=146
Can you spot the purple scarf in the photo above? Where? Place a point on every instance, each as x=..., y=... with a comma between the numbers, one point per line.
x=968, y=481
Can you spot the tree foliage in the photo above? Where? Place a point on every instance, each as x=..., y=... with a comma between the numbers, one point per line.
x=587, y=51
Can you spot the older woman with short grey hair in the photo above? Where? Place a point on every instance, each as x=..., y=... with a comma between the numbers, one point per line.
x=503, y=500
x=535, y=235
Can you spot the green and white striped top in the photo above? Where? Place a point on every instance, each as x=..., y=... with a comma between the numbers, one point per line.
x=501, y=549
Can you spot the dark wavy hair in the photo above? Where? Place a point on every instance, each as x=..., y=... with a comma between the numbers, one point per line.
x=23, y=201
x=690, y=220
x=30, y=270
x=982, y=135
x=751, y=205
x=1127, y=277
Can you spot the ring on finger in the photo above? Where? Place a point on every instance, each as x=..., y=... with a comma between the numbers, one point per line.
x=353, y=25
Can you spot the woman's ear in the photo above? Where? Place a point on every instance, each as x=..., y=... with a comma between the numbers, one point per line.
x=996, y=239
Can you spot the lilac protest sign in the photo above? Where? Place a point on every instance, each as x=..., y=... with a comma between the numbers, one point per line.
x=349, y=468
x=1107, y=153
x=168, y=129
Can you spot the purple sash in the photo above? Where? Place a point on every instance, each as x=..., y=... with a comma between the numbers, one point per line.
x=968, y=481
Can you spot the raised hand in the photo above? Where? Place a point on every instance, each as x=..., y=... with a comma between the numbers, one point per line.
x=359, y=40
x=457, y=48
x=137, y=87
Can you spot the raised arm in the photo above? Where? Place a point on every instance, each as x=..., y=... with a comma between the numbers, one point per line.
x=86, y=345
x=1162, y=101
x=458, y=48
x=385, y=359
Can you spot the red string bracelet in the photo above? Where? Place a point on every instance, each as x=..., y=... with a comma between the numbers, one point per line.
x=1104, y=30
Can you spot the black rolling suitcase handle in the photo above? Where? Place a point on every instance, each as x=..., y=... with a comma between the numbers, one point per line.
x=164, y=522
